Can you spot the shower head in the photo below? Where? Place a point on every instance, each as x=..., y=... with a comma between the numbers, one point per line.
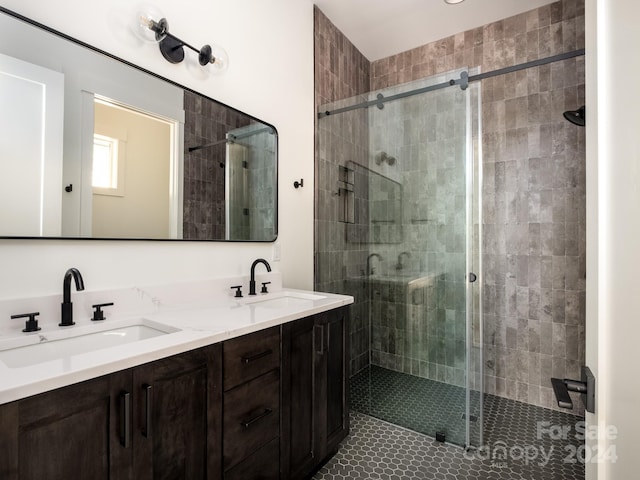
x=575, y=116
x=385, y=157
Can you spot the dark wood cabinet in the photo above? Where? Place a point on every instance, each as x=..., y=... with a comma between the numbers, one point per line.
x=265, y=406
x=73, y=432
x=251, y=406
x=176, y=421
x=299, y=365
x=158, y=420
x=334, y=408
x=315, y=394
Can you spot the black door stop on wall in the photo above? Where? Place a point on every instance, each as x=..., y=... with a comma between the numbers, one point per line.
x=298, y=184
x=586, y=386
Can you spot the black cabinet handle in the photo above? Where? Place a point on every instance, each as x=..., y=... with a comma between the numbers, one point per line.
x=257, y=356
x=251, y=421
x=125, y=416
x=318, y=334
x=328, y=337
x=148, y=392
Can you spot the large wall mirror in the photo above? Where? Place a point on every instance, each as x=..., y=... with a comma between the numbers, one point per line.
x=93, y=147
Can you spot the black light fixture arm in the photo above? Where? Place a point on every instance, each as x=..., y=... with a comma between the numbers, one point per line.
x=180, y=43
x=172, y=47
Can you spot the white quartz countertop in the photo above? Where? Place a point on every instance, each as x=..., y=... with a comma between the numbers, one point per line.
x=194, y=318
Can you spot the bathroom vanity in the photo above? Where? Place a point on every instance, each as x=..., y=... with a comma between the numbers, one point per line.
x=237, y=388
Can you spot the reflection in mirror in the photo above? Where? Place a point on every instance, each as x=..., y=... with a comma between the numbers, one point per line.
x=91, y=147
x=229, y=182
x=377, y=206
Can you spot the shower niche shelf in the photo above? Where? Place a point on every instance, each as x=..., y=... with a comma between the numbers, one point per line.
x=346, y=208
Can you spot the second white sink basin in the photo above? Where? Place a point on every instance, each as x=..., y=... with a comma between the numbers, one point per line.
x=39, y=348
x=284, y=299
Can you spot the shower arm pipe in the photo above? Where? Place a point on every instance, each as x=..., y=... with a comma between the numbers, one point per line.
x=463, y=81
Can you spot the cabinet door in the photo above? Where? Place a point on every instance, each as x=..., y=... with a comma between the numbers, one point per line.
x=177, y=431
x=331, y=382
x=79, y=431
x=336, y=323
x=315, y=392
x=299, y=362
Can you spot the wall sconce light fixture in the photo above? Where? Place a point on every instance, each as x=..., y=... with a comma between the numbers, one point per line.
x=152, y=26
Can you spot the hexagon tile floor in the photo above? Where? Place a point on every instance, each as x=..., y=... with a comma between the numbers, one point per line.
x=420, y=404
x=522, y=442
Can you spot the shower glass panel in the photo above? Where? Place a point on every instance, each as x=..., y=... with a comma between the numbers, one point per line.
x=406, y=191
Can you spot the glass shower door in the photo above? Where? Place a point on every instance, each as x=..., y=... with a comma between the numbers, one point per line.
x=408, y=166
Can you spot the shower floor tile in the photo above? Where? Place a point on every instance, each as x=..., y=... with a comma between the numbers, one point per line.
x=521, y=441
x=419, y=404
x=377, y=450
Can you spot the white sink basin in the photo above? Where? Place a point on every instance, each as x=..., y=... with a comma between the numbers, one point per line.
x=40, y=348
x=284, y=300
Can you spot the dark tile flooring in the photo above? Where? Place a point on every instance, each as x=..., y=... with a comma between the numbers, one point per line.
x=521, y=441
x=416, y=403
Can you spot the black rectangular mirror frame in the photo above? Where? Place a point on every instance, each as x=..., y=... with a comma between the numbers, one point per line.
x=80, y=43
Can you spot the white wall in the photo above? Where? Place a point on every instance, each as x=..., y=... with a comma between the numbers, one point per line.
x=591, y=321
x=141, y=209
x=613, y=235
x=270, y=45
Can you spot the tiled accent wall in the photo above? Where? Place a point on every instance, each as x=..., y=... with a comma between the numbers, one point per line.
x=341, y=71
x=533, y=194
x=204, y=196
x=548, y=30
x=534, y=242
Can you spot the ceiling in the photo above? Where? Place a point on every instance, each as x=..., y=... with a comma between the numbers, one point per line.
x=379, y=28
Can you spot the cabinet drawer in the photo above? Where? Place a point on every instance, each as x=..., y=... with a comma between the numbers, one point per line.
x=251, y=417
x=261, y=465
x=250, y=356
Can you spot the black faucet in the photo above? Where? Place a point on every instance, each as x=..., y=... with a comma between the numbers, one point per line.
x=252, y=282
x=67, y=306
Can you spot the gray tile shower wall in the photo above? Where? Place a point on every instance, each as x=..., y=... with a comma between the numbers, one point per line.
x=533, y=192
x=341, y=71
x=548, y=30
x=534, y=242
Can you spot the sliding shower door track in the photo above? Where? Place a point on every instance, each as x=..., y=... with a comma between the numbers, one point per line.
x=463, y=82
